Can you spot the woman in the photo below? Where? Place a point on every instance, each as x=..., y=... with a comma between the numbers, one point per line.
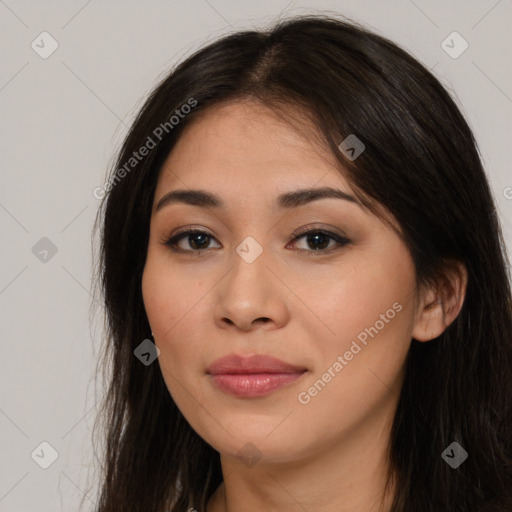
x=306, y=287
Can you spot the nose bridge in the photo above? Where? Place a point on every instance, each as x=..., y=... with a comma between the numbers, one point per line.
x=249, y=277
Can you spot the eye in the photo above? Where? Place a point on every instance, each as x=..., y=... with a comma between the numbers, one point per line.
x=320, y=240
x=195, y=239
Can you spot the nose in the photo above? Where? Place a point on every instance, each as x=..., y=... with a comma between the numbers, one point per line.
x=251, y=296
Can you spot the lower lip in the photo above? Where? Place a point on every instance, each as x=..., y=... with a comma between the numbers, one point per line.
x=253, y=385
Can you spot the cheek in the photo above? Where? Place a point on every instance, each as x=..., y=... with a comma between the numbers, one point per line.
x=357, y=375
x=367, y=318
x=362, y=294
x=172, y=306
x=169, y=296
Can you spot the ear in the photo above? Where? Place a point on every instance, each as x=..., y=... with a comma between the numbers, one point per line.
x=440, y=303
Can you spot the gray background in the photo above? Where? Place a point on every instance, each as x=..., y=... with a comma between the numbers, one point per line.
x=62, y=119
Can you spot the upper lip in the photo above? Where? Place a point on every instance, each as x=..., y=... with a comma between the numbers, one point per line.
x=258, y=363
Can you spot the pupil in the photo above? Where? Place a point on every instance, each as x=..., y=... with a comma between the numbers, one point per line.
x=202, y=237
x=316, y=237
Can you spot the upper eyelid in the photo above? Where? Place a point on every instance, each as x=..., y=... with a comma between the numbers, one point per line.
x=304, y=231
x=298, y=232
x=308, y=228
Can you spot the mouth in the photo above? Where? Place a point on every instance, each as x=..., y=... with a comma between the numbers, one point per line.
x=253, y=376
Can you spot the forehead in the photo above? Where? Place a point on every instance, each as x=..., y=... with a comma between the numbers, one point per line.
x=246, y=145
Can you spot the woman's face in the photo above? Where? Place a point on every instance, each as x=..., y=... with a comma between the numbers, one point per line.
x=337, y=304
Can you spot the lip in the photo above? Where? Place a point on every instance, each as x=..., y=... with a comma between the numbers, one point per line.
x=258, y=363
x=252, y=376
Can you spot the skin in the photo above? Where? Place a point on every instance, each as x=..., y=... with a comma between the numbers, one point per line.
x=329, y=454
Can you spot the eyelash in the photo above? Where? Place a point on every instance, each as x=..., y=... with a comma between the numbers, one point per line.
x=173, y=241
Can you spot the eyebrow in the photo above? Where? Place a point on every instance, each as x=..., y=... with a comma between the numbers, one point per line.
x=291, y=199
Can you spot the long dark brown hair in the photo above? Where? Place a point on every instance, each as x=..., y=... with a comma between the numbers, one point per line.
x=421, y=163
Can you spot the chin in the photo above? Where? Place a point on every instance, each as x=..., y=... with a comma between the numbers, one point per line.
x=249, y=444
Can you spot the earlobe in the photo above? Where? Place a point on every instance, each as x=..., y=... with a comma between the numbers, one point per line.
x=441, y=304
